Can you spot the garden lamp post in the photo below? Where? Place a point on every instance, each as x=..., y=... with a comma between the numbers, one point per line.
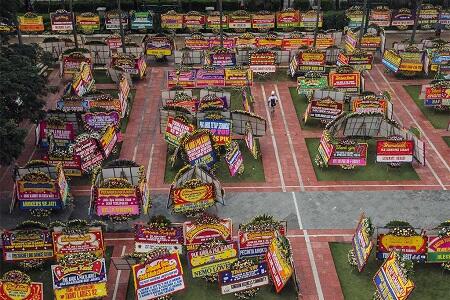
x=416, y=21
x=122, y=35
x=316, y=29
x=74, y=28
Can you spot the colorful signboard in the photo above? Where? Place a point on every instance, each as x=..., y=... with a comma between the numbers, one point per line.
x=176, y=128
x=82, y=292
x=89, y=153
x=202, y=196
x=250, y=141
x=391, y=60
x=108, y=141
x=220, y=129
x=349, y=155
x=221, y=59
x=197, y=234
x=263, y=22
x=71, y=164
x=159, y=46
x=355, y=17
x=158, y=277
x=234, y=159
x=311, y=61
x=112, y=21
x=324, y=109
x=61, y=20
x=239, y=21
x=212, y=261
x=280, y=268
x=437, y=95
x=89, y=242
x=380, y=16
x=347, y=82
x=288, y=19
x=370, y=42
x=171, y=21
x=308, y=19
x=256, y=243
x=236, y=280
x=21, y=291
x=196, y=43
x=412, y=247
x=362, y=243
x=38, y=195
x=98, y=120
x=402, y=18
x=214, y=77
x=141, y=20
x=88, y=22
x=199, y=150
x=31, y=22
x=306, y=85
x=19, y=245
x=369, y=105
x=83, y=80
x=73, y=61
x=395, y=151
x=193, y=21
x=359, y=62
x=391, y=282
x=238, y=77
x=147, y=238
x=262, y=62
x=117, y=201
x=438, y=249
x=75, y=275
x=411, y=61
x=213, y=22
x=428, y=17
x=186, y=79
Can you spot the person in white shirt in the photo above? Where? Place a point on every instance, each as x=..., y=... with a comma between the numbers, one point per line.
x=272, y=102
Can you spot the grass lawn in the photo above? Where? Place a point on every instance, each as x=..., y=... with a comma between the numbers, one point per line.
x=253, y=168
x=429, y=279
x=301, y=103
x=45, y=275
x=236, y=97
x=372, y=171
x=100, y=76
x=447, y=140
x=439, y=120
x=281, y=74
x=199, y=289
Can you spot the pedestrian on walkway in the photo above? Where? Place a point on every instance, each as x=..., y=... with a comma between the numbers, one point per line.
x=272, y=102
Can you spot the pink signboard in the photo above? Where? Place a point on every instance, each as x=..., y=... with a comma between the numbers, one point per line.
x=117, y=201
x=349, y=155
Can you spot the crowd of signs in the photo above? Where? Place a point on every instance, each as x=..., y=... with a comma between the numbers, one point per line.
x=78, y=270
x=164, y=275
x=201, y=129
x=393, y=247
x=79, y=135
x=382, y=16
x=79, y=267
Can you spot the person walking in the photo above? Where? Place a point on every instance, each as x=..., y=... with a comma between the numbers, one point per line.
x=272, y=102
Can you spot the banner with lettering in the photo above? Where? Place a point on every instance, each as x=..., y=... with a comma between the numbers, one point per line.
x=148, y=238
x=202, y=196
x=213, y=22
x=171, y=21
x=412, y=247
x=61, y=20
x=199, y=149
x=82, y=292
x=117, y=201
x=88, y=22
x=21, y=291
x=438, y=249
x=362, y=243
x=234, y=159
x=254, y=243
x=395, y=151
x=220, y=129
x=239, y=21
x=288, y=18
x=391, y=60
x=308, y=19
x=194, y=21
x=89, y=242
x=65, y=276
x=158, y=277
x=197, y=234
x=159, y=46
x=241, y=279
x=213, y=77
x=346, y=82
x=31, y=22
x=141, y=20
x=280, y=267
x=20, y=245
x=213, y=260
x=263, y=21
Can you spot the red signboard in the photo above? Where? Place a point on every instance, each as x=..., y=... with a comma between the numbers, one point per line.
x=91, y=241
x=395, y=151
x=21, y=291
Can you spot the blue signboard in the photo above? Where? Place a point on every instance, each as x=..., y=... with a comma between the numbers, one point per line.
x=233, y=276
x=251, y=252
x=66, y=276
x=42, y=204
x=390, y=66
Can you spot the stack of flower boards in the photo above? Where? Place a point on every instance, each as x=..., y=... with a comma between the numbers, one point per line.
x=80, y=272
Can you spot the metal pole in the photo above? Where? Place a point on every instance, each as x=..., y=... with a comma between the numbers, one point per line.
x=19, y=33
x=316, y=30
x=74, y=28
x=221, y=23
x=416, y=21
x=122, y=36
x=361, y=28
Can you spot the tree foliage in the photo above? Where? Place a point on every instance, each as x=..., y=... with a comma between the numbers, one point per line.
x=21, y=86
x=11, y=141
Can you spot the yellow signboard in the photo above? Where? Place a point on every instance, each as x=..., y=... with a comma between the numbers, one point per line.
x=81, y=292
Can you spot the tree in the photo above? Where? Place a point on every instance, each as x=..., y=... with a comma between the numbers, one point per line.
x=8, y=13
x=11, y=141
x=21, y=86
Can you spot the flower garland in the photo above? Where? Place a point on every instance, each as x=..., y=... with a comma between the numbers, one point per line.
x=77, y=259
x=40, y=212
x=261, y=223
x=16, y=276
x=444, y=229
x=351, y=258
x=116, y=183
x=159, y=222
x=243, y=264
x=211, y=244
x=31, y=225
x=37, y=163
x=31, y=264
x=36, y=176
x=400, y=228
x=406, y=265
x=205, y=219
